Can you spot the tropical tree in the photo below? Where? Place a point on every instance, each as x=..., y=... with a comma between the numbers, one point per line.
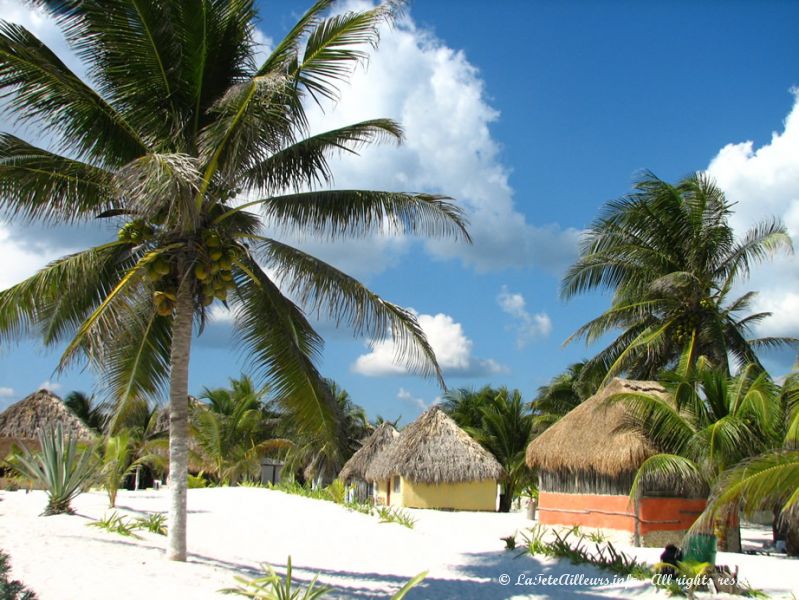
x=563, y=393
x=148, y=437
x=232, y=432
x=707, y=423
x=93, y=415
x=669, y=255
x=116, y=463
x=506, y=431
x=322, y=459
x=770, y=480
x=178, y=124
x=503, y=424
x=465, y=405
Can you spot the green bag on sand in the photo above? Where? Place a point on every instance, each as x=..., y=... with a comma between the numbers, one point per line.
x=700, y=547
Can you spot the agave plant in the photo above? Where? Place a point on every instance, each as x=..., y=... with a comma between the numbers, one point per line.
x=61, y=467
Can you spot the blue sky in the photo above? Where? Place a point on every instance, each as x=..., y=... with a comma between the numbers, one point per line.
x=530, y=114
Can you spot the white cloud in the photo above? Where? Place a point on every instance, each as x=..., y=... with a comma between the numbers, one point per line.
x=18, y=262
x=51, y=386
x=528, y=326
x=452, y=348
x=438, y=97
x=406, y=396
x=762, y=183
x=7, y=392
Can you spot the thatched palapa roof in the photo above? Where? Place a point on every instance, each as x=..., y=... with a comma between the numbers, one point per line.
x=22, y=422
x=593, y=436
x=381, y=438
x=433, y=449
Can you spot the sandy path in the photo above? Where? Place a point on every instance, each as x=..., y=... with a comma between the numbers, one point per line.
x=233, y=530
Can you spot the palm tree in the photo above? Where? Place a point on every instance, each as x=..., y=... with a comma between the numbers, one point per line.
x=180, y=122
x=465, y=405
x=562, y=394
x=708, y=423
x=149, y=440
x=231, y=431
x=505, y=431
x=94, y=416
x=769, y=480
x=322, y=459
x=670, y=257
x=499, y=420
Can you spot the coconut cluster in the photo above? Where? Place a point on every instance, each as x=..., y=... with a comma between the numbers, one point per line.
x=214, y=276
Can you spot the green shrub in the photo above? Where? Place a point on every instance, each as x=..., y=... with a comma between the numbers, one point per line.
x=154, y=523
x=11, y=589
x=510, y=542
x=60, y=468
x=274, y=587
x=197, y=481
x=114, y=523
x=388, y=514
x=337, y=491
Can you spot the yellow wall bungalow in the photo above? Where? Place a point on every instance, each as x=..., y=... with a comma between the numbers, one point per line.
x=435, y=464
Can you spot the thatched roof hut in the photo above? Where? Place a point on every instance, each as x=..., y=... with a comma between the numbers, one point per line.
x=593, y=436
x=433, y=450
x=381, y=438
x=22, y=422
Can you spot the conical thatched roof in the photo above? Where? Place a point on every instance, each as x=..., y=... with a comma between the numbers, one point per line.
x=21, y=423
x=592, y=436
x=433, y=449
x=26, y=418
x=381, y=438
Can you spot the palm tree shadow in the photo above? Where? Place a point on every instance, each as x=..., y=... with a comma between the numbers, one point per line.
x=481, y=579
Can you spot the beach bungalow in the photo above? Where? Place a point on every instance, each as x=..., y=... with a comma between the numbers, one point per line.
x=21, y=423
x=435, y=464
x=586, y=464
x=353, y=473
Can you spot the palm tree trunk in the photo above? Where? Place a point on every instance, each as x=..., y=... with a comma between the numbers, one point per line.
x=178, y=423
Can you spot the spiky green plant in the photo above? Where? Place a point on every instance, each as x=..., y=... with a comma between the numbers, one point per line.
x=153, y=522
x=61, y=467
x=389, y=514
x=115, y=523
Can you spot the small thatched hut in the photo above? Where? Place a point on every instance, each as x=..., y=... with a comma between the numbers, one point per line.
x=435, y=464
x=587, y=462
x=21, y=423
x=354, y=470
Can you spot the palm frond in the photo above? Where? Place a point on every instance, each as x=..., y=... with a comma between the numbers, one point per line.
x=326, y=290
x=38, y=185
x=333, y=214
x=283, y=345
x=45, y=90
x=304, y=163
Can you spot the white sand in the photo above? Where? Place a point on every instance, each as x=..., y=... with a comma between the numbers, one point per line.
x=233, y=530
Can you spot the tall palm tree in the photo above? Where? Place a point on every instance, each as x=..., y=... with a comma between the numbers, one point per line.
x=180, y=122
x=670, y=257
x=708, y=423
